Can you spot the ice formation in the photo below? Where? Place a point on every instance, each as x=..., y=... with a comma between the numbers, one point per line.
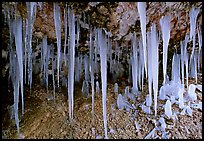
x=142, y=14
x=165, y=28
x=57, y=21
x=103, y=60
x=155, y=63
x=71, y=64
x=191, y=92
x=167, y=108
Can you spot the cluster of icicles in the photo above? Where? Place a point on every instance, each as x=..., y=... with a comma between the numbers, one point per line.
x=144, y=56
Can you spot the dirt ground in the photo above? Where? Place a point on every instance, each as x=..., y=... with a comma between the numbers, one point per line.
x=45, y=118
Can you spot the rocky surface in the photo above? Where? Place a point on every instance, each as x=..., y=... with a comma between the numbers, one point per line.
x=45, y=118
x=120, y=18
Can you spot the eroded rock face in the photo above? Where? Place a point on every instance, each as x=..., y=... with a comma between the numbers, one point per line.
x=120, y=18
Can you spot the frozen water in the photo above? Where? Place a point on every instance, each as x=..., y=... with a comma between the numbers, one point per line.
x=71, y=64
x=167, y=109
x=120, y=102
x=17, y=31
x=103, y=60
x=191, y=92
x=193, y=17
x=142, y=14
x=155, y=63
x=165, y=28
x=57, y=21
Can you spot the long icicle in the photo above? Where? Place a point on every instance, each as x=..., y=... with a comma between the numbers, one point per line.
x=155, y=63
x=193, y=16
x=103, y=60
x=92, y=73
x=149, y=63
x=166, y=29
x=71, y=64
x=17, y=31
x=65, y=35
x=142, y=14
x=57, y=21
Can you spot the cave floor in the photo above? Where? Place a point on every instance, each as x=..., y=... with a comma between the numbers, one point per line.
x=45, y=118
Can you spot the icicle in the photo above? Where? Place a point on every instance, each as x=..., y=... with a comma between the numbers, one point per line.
x=165, y=28
x=15, y=80
x=25, y=49
x=193, y=17
x=57, y=21
x=155, y=63
x=86, y=67
x=17, y=31
x=103, y=60
x=31, y=8
x=141, y=62
x=134, y=62
x=149, y=63
x=200, y=46
x=110, y=52
x=78, y=32
x=53, y=72
x=92, y=72
x=71, y=64
x=186, y=57
x=44, y=52
x=142, y=14
x=47, y=64
x=182, y=61
x=65, y=35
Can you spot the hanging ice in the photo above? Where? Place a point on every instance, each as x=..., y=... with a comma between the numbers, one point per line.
x=91, y=54
x=186, y=57
x=149, y=63
x=200, y=45
x=103, y=60
x=71, y=64
x=31, y=8
x=155, y=63
x=142, y=14
x=57, y=21
x=182, y=61
x=17, y=31
x=193, y=17
x=134, y=62
x=65, y=34
x=53, y=68
x=15, y=81
x=165, y=28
